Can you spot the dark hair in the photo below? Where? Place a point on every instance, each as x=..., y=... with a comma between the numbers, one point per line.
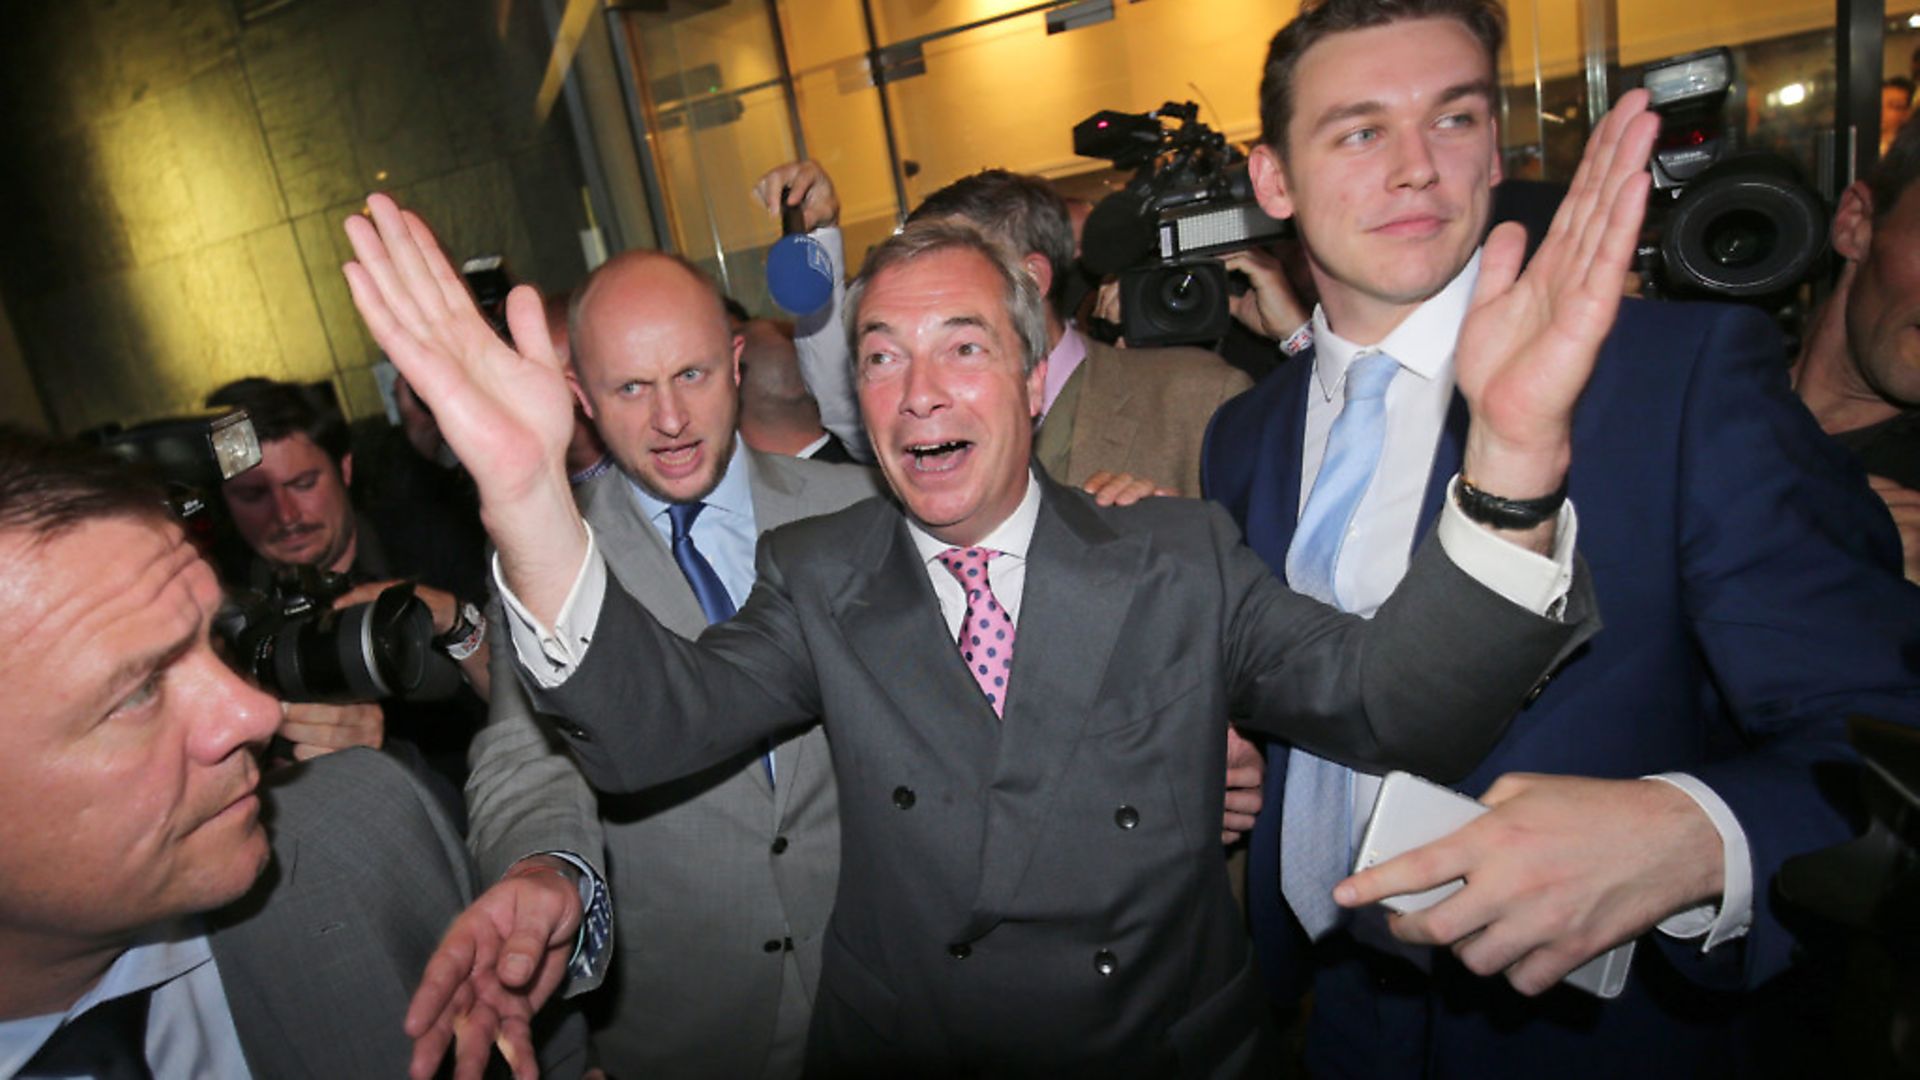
x=1900, y=83
x=1318, y=21
x=282, y=410
x=735, y=309
x=930, y=235
x=1021, y=212
x=1897, y=171
x=48, y=487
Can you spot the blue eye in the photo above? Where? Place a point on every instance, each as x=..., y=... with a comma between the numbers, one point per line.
x=144, y=694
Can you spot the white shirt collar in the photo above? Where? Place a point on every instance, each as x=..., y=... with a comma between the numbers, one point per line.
x=1011, y=537
x=1423, y=342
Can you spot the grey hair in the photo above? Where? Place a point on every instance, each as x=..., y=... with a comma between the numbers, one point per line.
x=1025, y=306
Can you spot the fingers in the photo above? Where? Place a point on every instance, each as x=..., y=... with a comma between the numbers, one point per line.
x=1119, y=489
x=1423, y=868
x=384, y=247
x=445, y=982
x=361, y=594
x=1500, y=259
x=473, y=1041
x=527, y=322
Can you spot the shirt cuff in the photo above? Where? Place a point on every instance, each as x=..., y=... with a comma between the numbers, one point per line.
x=1735, y=912
x=1523, y=577
x=549, y=657
x=590, y=951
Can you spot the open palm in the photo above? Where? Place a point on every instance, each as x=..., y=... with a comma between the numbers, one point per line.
x=507, y=411
x=1530, y=339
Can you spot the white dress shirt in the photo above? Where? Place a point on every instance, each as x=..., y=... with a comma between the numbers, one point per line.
x=190, y=1028
x=1379, y=542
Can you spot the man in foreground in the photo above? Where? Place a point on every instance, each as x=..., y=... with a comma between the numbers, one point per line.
x=162, y=913
x=997, y=911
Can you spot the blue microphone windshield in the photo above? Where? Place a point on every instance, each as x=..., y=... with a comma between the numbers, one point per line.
x=799, y=274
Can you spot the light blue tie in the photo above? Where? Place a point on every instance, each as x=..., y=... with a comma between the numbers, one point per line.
x=1316, y=827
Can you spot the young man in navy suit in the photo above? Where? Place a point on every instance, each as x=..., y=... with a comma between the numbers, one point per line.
x=1751, y=598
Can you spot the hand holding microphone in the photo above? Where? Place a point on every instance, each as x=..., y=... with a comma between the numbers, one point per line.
x=799, y=271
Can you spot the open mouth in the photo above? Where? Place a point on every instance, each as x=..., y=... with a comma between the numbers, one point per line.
x=939, y=456
x=677, y=457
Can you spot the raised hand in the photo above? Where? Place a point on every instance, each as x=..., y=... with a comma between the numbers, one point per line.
x=805, y=185
x=1530, y=339
x=506, y=410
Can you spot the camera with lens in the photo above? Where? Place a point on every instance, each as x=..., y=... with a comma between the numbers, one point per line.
x=1188, y=201
x=288, y=637
x=297, y=646
x=1722, y=223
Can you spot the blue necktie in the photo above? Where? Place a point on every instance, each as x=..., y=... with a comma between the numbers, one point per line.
x=707, y=587
x=1316, y=830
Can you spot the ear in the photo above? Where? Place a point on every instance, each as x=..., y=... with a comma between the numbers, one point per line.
x=1853, y=222
x=1269, y=178
x=579, y=392
x=346, y=469
x=1041, y=268
x=739, y=346
x=1036, y=388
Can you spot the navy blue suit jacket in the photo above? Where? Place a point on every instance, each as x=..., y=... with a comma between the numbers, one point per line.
x=1750, y=596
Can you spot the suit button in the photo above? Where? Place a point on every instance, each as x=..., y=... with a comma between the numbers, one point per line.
x=960, y=950
x=1126, y=817
x=772, y=946
x=903, y=797
x=779, y=844
x=1533, y=695
x=1105, y=962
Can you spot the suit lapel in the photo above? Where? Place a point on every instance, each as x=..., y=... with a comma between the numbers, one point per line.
x=638, y=557
x=1080, y=582
x=779, y=497
x=1446, y=462
x=1272, y=506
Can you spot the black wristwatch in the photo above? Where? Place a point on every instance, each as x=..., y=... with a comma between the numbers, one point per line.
x=1515, y=514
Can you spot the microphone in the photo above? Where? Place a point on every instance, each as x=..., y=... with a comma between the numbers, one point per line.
x=799, y=273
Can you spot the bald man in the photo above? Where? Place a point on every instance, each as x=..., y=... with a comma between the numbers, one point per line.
x=720, y=884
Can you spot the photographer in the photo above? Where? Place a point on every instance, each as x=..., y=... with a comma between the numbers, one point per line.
x=293, y=511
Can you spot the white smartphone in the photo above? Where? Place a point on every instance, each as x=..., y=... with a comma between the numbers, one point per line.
x=1410, y=812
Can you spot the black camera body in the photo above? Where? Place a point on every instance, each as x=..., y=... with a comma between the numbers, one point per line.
x=1190, y=200
x=1721, y=223
x=293, y=642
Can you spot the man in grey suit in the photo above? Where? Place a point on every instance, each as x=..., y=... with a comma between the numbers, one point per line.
x=1027, y=880
x=721, y=883
x=162, y=911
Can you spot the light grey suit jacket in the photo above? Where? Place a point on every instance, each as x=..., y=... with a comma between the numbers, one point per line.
x=320, y=959
x=712, y=875
x=1043, y=895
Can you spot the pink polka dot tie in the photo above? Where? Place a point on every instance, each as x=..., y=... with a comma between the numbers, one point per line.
x=986, y=635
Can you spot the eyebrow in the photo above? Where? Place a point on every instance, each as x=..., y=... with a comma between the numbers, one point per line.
x=1339, y=113
x=133, y=671
x=878, y=327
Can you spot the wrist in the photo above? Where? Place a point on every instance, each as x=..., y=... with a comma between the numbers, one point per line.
x=1517, y=470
